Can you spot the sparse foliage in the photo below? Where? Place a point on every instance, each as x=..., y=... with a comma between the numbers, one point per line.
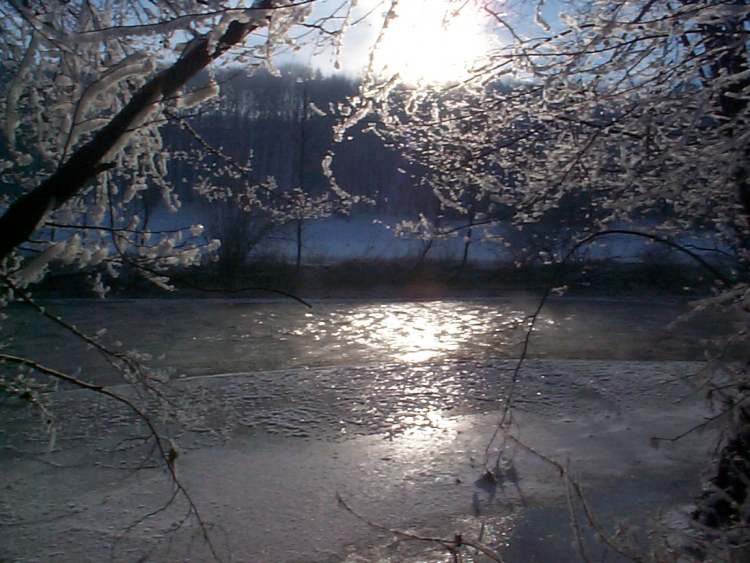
x=639, y=106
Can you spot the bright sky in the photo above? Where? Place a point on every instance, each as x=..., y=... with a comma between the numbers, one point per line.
x=428, y=42
x=425, y=43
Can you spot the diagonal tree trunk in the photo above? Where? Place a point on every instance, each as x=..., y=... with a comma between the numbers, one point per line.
x=24, y=215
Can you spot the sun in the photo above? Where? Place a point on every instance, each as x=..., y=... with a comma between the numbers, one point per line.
x=433, y=41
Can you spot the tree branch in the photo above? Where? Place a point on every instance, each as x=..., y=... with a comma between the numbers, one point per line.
x=167, y=455
x=27, y=212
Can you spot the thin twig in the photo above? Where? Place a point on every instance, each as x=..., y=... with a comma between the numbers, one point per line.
x=452, y=545
x=506, y=417
x=575, y=526
x=700, y=426
x=164, y=453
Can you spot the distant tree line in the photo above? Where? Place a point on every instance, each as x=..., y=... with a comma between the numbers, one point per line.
x=282, y=127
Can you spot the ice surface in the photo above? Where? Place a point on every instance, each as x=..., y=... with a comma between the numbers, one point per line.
x=265, y=453
x=199, y=337
x=390, y=404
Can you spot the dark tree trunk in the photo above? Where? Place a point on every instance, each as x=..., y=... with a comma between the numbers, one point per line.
x=465, y=257
x=728, y=38
x=26, y=213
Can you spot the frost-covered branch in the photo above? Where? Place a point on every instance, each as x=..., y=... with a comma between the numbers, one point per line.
x=26, y=212
x=639, y=108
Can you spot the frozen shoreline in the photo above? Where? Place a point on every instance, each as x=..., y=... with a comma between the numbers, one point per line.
x=269, y=489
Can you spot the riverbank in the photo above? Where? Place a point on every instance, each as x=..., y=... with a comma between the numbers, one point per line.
x=404, y=279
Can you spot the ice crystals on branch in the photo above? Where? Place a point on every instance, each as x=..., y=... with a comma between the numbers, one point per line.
x=316, y=110
x=35, y=270
x=593, y=112
x=539, y=18
x=76, y=68
x=197, y=97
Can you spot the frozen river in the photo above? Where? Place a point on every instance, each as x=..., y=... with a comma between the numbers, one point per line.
x=390, y=404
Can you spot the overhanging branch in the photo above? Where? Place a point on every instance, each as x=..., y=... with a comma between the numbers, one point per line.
x=24, y=215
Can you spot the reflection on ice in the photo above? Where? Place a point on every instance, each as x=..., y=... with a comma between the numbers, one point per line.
x=424, y=338
x=421, y=428
x=250, y=336
x=418, y=332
